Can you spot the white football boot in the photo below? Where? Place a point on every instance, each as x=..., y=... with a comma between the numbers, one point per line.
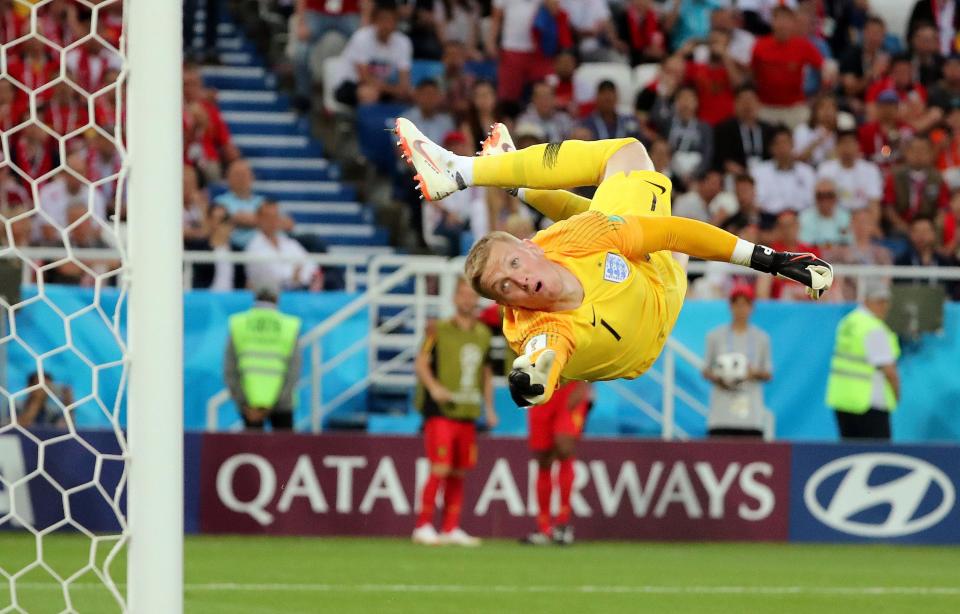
x=459, y=537
x=425, y=535
x=437, y=176
x=498, y=141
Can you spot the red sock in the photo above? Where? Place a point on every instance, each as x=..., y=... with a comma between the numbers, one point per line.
x=565, y=477
x=428, y=500
x=544, y=492
x=452, y=502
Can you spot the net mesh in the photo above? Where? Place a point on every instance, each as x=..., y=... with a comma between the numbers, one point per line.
x=63, y=364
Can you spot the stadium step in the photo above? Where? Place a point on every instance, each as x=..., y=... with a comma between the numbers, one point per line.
x=325, y=212
x=305, y=190
x=273, y=146
x=296, y=169
x=252, y=100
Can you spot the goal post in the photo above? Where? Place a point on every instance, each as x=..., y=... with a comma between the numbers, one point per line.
x=155, y=315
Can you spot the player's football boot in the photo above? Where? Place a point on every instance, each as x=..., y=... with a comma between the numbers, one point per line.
x=498, y=141
x=563, y=535
x=537, y=538
x=458, y=537
x=425, y=535
x=814, y=273
x=437, y=176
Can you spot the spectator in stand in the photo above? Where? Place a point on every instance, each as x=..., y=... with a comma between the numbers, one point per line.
x=715, y=76
x=787, y=233
x=778, y=63
x=542, y=112
x=68, y=188
x=517, y=52
x=814, y=141
x=662, y=157
x=758, y=15
x=640, y=28
x=83, y=234
x=220, y=275
x=196, y=229
x=424, y=28
x=44, y=405
x=748, y=213
x=605, y=122
x=565, y=65
x=915, y=189
x=924, y=248
x=12, y=193
x=946, y=142
x=12, y=111
x=32, y=64
x=311, y=21
x=858, y=182
x=377, y=62
x=261, y=362
x=103, y=161
x=742, y=141
x=867, y=62
x=597, y=37
x=653, y=102
x=444, y=222
x=740, y=47
x=483, y=112
x=825, y=224
x=945, y=95
x=34, y=151
x=552, y=31
x=881, y=139
x=690, y=139
x=215, y=149
x=945, y=14
x=911, y=95
x=702, y=202
x=242, y=203
x=808, y=25
x=287, y=267
x=455, y=81
x=690, y=19
x=458, y=21
x=865, y=247
x=950, y=230
x=783, y=183
x=427, y=112
x=65, y=112
x=925, y=53
x=91, y=65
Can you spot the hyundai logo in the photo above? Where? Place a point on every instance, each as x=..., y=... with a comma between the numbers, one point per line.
x=918, y=497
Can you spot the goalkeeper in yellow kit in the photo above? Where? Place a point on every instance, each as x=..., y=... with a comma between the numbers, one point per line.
x=595, y=296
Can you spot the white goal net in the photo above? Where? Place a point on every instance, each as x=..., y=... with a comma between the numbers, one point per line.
x=65, y=294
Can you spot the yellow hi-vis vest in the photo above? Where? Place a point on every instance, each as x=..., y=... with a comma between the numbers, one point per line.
x=264, y=340
x=850, y=386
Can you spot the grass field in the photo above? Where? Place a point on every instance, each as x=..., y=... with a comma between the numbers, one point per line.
x=272, y=575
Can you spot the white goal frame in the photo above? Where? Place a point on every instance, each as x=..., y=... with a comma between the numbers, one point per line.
x=155, y=311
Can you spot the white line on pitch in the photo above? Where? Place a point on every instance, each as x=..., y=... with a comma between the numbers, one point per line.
x=505, y=588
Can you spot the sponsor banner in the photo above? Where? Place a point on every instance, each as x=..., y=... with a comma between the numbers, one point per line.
x=875, y=492
x=87, y=467
x=365, y=485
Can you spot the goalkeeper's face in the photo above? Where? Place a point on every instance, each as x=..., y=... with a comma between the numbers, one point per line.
x=519, y=274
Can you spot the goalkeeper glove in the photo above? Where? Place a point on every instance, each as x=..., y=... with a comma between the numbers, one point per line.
x=528, y=380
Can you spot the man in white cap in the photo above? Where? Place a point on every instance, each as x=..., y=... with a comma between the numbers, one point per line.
x=864, y=386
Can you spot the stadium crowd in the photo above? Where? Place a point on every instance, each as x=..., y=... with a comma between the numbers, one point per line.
x=805, y=124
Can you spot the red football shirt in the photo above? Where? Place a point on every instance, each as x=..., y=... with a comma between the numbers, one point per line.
x=778, y=69
x=715, y=90
x=914, y=91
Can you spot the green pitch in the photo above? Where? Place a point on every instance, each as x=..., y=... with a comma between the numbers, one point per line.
x=240, y=575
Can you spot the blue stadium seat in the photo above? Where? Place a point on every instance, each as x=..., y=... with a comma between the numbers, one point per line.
x=425, y=69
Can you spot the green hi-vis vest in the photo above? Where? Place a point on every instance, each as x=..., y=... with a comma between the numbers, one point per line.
x=457, y=359
x=850, y=386
x=264, y=340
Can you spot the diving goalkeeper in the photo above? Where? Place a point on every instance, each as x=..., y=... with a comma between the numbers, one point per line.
x=594, y=296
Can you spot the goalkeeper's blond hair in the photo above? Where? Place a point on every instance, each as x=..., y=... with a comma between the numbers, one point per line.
x=476, y=262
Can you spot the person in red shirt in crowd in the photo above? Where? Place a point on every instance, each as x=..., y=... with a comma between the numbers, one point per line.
x=552, y=30
x=911, y=94
x=12, y=110
x=516, y=50
x=716, y=78
x=640, y=28
x=210, y=144
x=915, y=189
x=12, y=194
x=778, y=63
x=34, y=151
x=787, y=231
x=880, y=139
x=564, y=65
x=66, y=111
x=12, y=24
x=32, y=66
x=554, y=430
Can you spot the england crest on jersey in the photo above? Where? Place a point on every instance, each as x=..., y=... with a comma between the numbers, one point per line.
x=615, y=268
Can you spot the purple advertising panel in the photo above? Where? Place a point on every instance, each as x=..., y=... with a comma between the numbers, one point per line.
x=364, y=485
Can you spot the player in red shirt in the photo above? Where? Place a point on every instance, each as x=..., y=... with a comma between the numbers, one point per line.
x=778, y=63
x=554, y=430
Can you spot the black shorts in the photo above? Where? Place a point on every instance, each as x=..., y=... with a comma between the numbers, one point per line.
x=739, y=433
x=874, y=424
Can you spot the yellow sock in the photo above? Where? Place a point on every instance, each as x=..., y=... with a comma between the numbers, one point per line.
x=569, y=164
x=555, y=204
x=692, y=237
